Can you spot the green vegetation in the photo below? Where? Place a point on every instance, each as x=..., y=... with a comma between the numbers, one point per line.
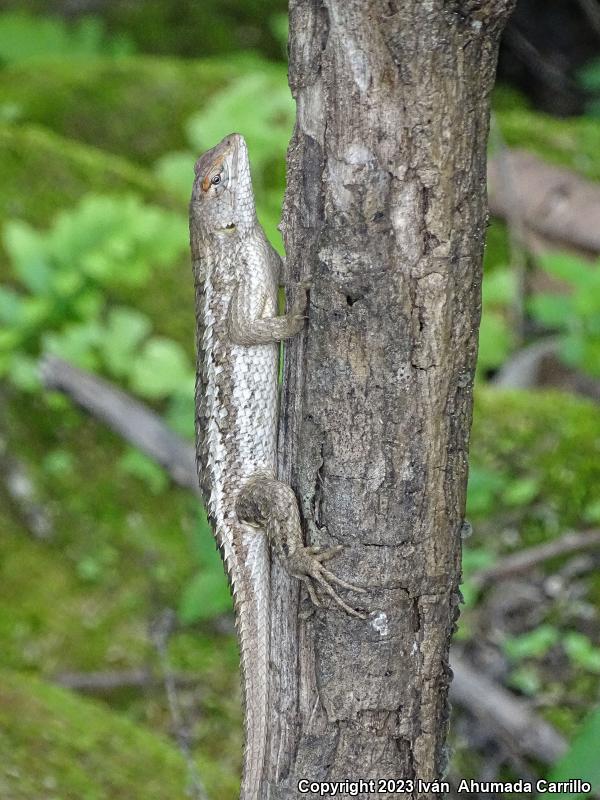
x=25, y=38
x=576, y=316
x=56, y=745
x=43, y=173
x=133, y=107
x=190, y=30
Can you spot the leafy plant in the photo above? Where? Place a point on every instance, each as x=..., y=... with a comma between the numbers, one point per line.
x=68, y=272
x=496, y=340
x=574, y=315
x=24, y=37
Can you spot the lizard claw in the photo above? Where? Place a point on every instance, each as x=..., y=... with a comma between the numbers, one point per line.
x=306, y=564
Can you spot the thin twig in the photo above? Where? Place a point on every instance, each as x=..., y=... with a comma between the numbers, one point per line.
x=534, y=556
x=516, y=229
x=106, y=682
x=161, y=631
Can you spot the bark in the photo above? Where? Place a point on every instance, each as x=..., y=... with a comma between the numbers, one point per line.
x=385, y=212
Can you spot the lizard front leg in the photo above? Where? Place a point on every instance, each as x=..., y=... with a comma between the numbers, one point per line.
x=245, y=322
x=270, y=504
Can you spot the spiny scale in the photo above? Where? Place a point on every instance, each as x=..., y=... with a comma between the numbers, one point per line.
x=236, y=275
x=236, y=402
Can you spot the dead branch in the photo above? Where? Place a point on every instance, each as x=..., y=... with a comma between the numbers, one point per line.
x=554, y=203
x=534, y=556
x=102, y=683
x=510, y=718
x=125, y=415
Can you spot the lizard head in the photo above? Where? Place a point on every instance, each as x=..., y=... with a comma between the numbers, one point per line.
x=222, y=198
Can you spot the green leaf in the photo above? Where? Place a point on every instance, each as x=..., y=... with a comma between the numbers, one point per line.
x=581, y=760
x=135, y=463
x=580, y=650
x=526, y=680
x=551, y=310
x=180, y=414
x=569, y=268
x=483, y=489
x=205, y=596
x=125, y=329
x=573, y=349
x=592, y=512
x=24, y=373
x=533, y=644
x=76, y=343
x=26, y=250
x=474, y=559
x=495, y=341
x=161, y=369
x=11, y=307
x=499, y=287
x=521, y=492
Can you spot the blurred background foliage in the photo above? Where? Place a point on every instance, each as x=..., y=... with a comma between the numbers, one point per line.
x=103, y=108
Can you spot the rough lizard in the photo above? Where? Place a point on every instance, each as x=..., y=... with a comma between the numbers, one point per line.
x=236, y=274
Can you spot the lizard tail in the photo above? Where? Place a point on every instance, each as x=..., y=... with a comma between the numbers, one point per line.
x=253, y=624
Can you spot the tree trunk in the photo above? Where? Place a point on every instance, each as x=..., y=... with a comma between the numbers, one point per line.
x=385, y=213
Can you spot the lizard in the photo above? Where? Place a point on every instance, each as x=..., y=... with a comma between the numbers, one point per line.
x=238, y=330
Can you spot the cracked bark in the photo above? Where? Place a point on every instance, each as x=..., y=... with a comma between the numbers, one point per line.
x=385, y=212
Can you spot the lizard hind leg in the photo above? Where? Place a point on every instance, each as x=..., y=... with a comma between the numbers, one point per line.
x=271, y=505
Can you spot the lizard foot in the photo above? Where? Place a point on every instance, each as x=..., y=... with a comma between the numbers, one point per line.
x=306, y=564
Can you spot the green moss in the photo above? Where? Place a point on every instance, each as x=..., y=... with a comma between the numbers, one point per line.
x=55, y=745
x=540, y=452
x=135, y=107
x=185, y=29
x=42, y=173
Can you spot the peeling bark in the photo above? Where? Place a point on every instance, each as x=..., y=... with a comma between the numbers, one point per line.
x=386, y=213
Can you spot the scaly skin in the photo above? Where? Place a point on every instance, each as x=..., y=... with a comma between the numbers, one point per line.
x=236, y=274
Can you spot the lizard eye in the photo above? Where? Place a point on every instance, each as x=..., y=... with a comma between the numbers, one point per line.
x=216, y=179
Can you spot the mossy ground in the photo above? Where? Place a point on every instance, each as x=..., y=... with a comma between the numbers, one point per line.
x=134, y=107
x=56, y=746
x=549, y=439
